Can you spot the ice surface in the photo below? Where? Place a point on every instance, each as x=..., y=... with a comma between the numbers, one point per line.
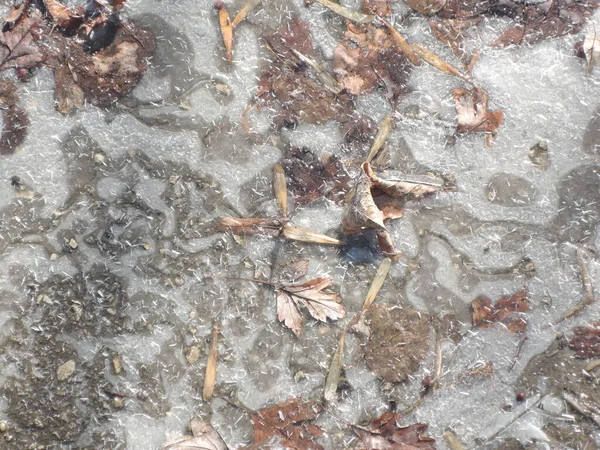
x=106, y=244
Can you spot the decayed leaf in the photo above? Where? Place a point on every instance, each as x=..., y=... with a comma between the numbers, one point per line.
x=69, y=96
x=545, y=20
x=335, y=371
x=473, y=114
x=321, y=305
x=398, y=341
x=311, y=178
x=304, y=235
x=379, y=8
x=286, y=85
x=485, y=314
x=363, y=212
x=382, y=133
x=14, y=119
x=294, y=270
x=242, y=226
x=369, y=57
x=326, y=78
x=280, y=188
x=63, y=16
x=248, y=6
x=355, y=16
x=287, y=422
x=205, y=437
x=19, y=43
x=384, y=433
x=226, y=30
x=453, y=32
x=210, y=375
x=586, y=341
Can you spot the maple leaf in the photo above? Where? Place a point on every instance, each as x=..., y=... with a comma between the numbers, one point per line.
x=485, y=314
x=369, y=57
x=586, y=341
x=384, y=433
x=287, y=423
x=473, y=114
x=320, y=304
x=398, y=340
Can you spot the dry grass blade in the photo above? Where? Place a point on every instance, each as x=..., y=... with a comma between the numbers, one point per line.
x=353, y=15
x=382, y=134
x=226, y=30
x=380, y=276
x=431, y=58
x=248, y=6
x=588, y=289
x=240, y=225
x=403, y=44
x=280, y=187
x=328, y=81
x=210, y=376
x=303, y=235
x=335, y=371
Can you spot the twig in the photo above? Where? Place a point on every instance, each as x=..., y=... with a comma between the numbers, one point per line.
x=588, y=289
x=518, y=352
x=517, y=417
x=581, y=409
x=254, y=280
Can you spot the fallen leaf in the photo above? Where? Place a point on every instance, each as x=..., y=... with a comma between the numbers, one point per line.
x=288, y=423
x=398, y=341
x=210, y=374
x=62, y=16
x=436, y=61
x=248, y=6
x=69, y=96
x=15, y=121
x=378, y=281
x=485, y=314
x=379, y=8
x=351, y=14
x=226, y=30
x=586, y=341
x=362, y=212
x=335, y=371
x=294, y=270
x=384, y=433
x=546, y=20
x=369, y=57
x=304, y=235
x=359, y=128
x=19, y=45
x=321, y=305
x=311, y=178
x=403, y=44
x=326, y=78
x=382, y=133
x=205, y=437
x=453, y=33
x=294, y=35
x=473, y=114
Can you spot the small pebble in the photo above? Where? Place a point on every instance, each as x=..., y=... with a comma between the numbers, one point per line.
x=65, y=370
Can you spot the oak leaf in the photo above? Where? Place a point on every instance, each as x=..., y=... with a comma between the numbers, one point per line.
x=287, y=422
x=384, y=433
x=485, y=314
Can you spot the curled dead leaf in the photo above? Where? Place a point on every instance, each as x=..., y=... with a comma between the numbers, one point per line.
x=426, y=7
x=363, y=212
x=485, y=314
x=304, y=235
x=473, y=114
x=242, y=226
x=398, y=341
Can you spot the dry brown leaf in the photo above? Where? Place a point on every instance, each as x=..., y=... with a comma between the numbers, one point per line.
x=351, y=14
x=15, y=13
x=379, y=8
x=311, y=178
x=426, y=7
x=362, y=213
x=287, y=422
x=69, y=96
x=210, y=375
x=403, y=44
x=398, y=341
x=294, y=35
x=304, y=235
x=205, y=437
x=369, y=57
x=384, y=433
x=248, y=6
x=226, y=30
x=586, y=341
x=242, y=226
x=63, y=16
x=321, y=304
x=382, y=133
x=436, y=61
x=294, y=270
x=378, y=281
x=335, y=371
x=485, y=314
x=15, y=121
x=19, y=43
x=453, y=33
x=473, y=114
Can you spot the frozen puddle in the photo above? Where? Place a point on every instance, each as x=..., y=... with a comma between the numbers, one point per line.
x=109, y=227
